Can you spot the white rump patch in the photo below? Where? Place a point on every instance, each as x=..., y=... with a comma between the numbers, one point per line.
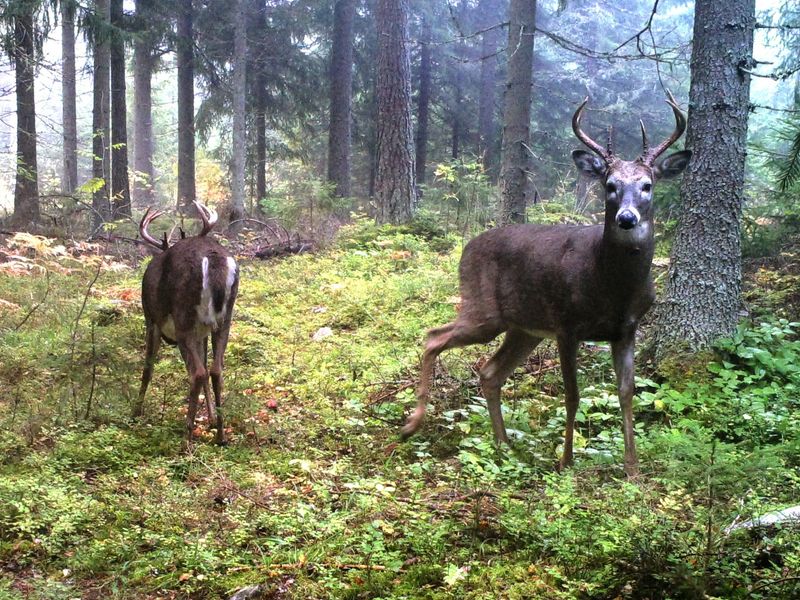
x=205, y=310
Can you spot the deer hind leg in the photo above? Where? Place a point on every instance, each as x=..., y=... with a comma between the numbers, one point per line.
x=623, y=366
x=453, y=335
x=516, y=347
x=212, y=415
x=219, y=341
x=568, y=355
x=192, y=350
x=152, y=344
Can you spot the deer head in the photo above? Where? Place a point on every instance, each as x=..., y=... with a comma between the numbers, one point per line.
x=628, y=184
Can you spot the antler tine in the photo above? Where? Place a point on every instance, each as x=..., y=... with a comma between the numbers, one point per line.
x=649, y=157
x=149, y=216
x=605, y=154
x=608, y=141
x=644, y=137
x=208, y=216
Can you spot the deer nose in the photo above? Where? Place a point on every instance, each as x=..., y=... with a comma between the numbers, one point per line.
x=626, y=219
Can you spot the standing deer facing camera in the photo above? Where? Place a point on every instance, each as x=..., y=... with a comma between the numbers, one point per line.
x=570, y=283
x=188, y=292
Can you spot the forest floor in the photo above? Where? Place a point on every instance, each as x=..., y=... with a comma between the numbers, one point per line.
x=316, y=497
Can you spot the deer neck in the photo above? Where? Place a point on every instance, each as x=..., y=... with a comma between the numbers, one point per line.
x=627, y=254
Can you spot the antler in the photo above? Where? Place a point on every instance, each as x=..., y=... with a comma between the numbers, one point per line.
x=148, y=218
x=649, y=156
x=605, y=153
x=208, y=216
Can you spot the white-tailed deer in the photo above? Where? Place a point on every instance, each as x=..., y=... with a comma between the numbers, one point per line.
x=188, y=292
x=570, y=283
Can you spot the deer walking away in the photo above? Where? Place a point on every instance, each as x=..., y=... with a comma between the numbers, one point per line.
x=568, y=283
x=188, y=293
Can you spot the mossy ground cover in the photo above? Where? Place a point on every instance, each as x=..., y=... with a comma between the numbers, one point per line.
x=315, y=497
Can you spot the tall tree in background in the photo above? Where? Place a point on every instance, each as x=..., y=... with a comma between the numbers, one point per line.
x=239, y=149
x=490, y=41
x=143, y=65
x=26, y=190
x=185, y=52
x=101, y=147
x=517, y=114
x=120, y=188
x=69, y=113
x=394, y=183
x=258, y=50
x=703, y=296
x=423, y=98
x=457, y=60
x=341, y=92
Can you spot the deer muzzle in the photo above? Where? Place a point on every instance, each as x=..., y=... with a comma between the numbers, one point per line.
x=628, y=218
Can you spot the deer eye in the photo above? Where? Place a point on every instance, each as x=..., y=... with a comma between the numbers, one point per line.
x=611, y=188
x=647, y=187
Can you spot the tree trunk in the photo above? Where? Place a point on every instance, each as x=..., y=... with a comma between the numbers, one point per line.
x=261, y=105
x=457, y=111
x=69, y=113
x=143, y=63
x=703, y=300
x=120, y=187
x=486, y=98
x=26, y=191
x=341, y=91
x=238, y=154
x=101, y=155
x=394, y=182
x=517, y=114
x=423, y=99
x=186, y=184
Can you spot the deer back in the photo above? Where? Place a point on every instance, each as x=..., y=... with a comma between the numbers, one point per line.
x=190, y=286
x=551, y=280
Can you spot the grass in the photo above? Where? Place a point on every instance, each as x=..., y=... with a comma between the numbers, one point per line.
x=315, y=497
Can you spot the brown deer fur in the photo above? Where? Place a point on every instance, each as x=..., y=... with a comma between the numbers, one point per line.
x=188, y=293
x=569, y=283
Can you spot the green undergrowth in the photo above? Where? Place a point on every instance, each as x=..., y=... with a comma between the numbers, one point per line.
x=316, y=497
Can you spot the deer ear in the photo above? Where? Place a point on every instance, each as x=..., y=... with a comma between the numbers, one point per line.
x=589, y=164
x=673, y=165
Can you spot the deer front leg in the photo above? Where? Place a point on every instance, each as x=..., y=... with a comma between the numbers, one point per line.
x=622, y=352
x=152, y=343
x=568, y=355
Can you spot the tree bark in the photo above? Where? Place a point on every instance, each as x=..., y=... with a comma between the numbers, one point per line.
x=101, y=149
x=341, y=92
x=143, y=64
x=69, y=113
x=26, y=190
x=186, y=163
x=423, y=100
x=120, y=186
x=238, y=154
x=394, y=183
x=703, y=296
x=517, y=114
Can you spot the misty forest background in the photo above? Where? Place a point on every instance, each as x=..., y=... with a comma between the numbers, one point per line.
x=351, y=148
